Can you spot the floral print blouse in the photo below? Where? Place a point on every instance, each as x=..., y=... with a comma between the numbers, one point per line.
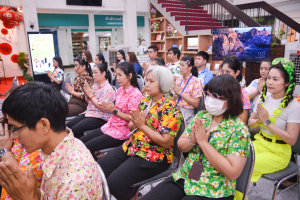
x=174, y=68
x=193, y=89
x=79, y=81
x=230, y=137
x=126, y=100
x=103, y=92
x=246, y=100
x=164, y=117
x=70, y=172
x=251, y=88
x=25, y=159
x=58, y=74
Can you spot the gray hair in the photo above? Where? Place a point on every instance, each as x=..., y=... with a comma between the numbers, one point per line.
x=164, y=77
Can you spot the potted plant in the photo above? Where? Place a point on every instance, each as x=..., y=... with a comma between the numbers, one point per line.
x=155, y=25
x=283, y=36
x=153, y=11
x=169, y=30
x=23, y=62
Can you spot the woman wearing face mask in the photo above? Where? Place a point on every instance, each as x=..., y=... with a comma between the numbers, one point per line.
x=256, y=86
x=116, y=131
x=149, y=150
x=277, y=114
x=94, y=116
x=218, y=144
x=188, y=88
x=231, y=65
x=77, y=103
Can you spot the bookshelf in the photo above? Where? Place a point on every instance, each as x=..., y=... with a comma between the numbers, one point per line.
x=164, y=42
x=77, y=43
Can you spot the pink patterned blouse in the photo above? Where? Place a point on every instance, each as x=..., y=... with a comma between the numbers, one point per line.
x=103, y=92
x=126, y=100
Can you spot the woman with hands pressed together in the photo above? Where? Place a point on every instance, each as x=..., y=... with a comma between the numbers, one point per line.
x=218, y=144
x=187, y=89
x=95, y=116
x=256, y=86
x=58, y=74
x=149, y=150
x=116, y=130
x=77, y=103
x=277, y=114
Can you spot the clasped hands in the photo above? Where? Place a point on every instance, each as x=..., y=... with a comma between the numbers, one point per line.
x=262, y=114
x=138, y=119
x=199, y=133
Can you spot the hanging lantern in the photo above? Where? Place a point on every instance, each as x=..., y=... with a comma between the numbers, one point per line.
x=11, y=19
x=8, y=25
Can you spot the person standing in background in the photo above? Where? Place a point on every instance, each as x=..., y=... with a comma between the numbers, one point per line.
x=142, y=48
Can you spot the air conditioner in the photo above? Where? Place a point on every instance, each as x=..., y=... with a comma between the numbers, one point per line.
x=112, y=53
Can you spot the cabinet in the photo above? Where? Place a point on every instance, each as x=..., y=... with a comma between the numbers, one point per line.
x=77, y=43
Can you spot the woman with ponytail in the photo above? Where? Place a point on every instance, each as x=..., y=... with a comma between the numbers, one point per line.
x=187, y=88
x=232, y=66
x=277, y=114
x=94, y=116
x=77, y=103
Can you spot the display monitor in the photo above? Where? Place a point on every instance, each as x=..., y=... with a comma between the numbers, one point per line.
x=192, y=43
x=85, y=2
x=248, y=44
x=41, y=45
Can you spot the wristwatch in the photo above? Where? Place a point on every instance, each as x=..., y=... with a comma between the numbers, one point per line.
x=3, y=152
x=115, y=112
x=190, y=141
x=267, y=122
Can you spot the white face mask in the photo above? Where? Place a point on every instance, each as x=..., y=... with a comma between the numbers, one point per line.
x=214, y=106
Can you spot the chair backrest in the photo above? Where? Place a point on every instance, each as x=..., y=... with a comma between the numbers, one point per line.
x=68, y=79
x=106, y=193
x=296, y=146
x=201, y=106
x=248, y=116
x=140, y=81
x=244, y=179
x=176, y=151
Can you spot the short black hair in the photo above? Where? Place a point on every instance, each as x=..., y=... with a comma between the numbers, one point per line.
x=204, y=55
x=155, y=48
x=159, y=61
x=142, y=40
x=175, y=51
x=28, y=103
x=225, y=85
x=234, y=64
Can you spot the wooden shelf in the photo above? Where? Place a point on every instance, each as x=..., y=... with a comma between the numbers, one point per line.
x=173, y=37
x=158, y=18
x=157, y=40
x=162, y=51
x=157, y=32
x=189, y=52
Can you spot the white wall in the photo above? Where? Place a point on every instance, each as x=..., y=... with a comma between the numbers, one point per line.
x=63, y=45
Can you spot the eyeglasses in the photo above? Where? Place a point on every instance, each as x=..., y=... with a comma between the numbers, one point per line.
x=214, y=95
x=13, y=129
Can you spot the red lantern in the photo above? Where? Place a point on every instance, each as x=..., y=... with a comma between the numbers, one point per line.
x=17, y=17
x=4, y=31
x=5, y=48
x=6, y=16
x=14, y=58
x=8, y=25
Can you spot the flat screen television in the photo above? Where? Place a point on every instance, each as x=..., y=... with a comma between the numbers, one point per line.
x=84, y=2
x=192, y=43
x=41, y=45
x=248, y=44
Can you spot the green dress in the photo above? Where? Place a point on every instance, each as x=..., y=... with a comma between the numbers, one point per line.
x=230, y=137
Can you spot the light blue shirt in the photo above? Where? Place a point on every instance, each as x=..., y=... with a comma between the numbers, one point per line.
x=206, y=74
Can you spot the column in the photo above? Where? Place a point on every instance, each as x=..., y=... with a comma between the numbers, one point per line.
x=63, y=45
x=29, y=11
x=92, y=35
x=130, y=24
x=70, y=48
x=113, y=36
x=146, y=30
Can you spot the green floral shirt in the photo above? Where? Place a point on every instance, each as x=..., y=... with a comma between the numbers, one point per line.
x=230, y=137
x=164, y=117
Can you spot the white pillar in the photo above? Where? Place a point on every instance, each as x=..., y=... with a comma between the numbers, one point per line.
x=63, y=46
x=92, y=35
x=130, y=24
x=119, y=36
x=113, y=37
x=146, y=30
x=70, y=48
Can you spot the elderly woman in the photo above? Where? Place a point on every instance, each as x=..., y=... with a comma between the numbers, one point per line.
x=218, y=144
x=149, y=150
x=77, y=103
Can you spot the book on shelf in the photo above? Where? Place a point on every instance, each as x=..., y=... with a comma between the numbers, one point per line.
x=164, y=37
x=164, y=47
x=209, y=48
x=217, y=66
x=180, y=47
x=158, y=46
x=208, y=65
x=158, y=37
x=174, y=45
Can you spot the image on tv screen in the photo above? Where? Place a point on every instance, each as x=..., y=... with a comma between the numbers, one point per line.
x=248, y=44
